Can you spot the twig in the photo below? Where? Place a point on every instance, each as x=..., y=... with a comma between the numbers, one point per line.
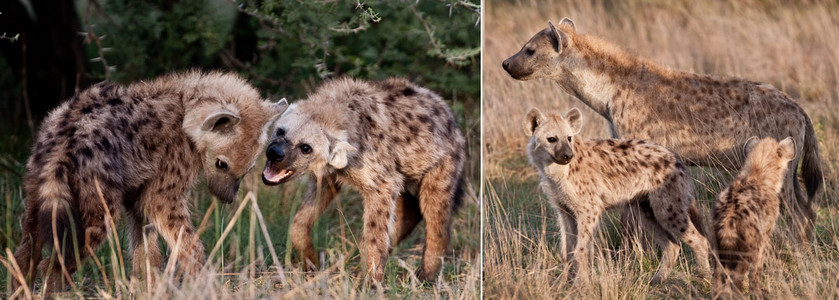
x=92, y=37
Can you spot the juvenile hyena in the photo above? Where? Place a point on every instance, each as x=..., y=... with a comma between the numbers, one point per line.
x=396, y=143
x=703, y=119
x=146, y=145
x=584, y=178
x=745, y=214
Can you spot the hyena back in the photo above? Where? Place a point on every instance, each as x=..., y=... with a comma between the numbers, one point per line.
x=745, y=214
x=394, y=142
x=145, y=145
x=704, y=119
x=583, y=178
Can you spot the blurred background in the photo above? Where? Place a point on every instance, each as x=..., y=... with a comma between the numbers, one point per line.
x=793, y=45
x=52, y=49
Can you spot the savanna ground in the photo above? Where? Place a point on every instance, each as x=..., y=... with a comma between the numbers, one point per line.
x=791, y=46
x=432, y=43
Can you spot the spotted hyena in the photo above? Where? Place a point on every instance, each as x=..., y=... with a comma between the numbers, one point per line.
x=396, y=143
x=146, y=145
x=703, y=119
x=745, y=214
x=583, y=178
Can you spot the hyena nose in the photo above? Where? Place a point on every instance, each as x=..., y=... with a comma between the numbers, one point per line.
x=275, y=154
x=567, y=156
x=505, y=65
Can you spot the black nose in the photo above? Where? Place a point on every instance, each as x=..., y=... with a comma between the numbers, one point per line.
x=567, y=156
x=505, y=65
x=274, y=153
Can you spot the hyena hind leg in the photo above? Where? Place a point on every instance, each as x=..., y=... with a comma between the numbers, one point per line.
x=437, y=193
x=408, y=215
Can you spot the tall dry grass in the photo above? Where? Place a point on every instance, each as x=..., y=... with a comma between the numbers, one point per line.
x=792, y=46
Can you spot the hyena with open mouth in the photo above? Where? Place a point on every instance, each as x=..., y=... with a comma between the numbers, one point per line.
x=396, y=143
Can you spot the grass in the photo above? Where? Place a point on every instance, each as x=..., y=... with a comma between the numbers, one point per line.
x=792, y=46
x=253, y=257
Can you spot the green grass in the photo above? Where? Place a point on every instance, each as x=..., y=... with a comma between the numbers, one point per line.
x=244, y=267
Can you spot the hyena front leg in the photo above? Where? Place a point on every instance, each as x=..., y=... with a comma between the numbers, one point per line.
x=586, y=225
x=307, y=214
x=568, y=232
x=379, y=210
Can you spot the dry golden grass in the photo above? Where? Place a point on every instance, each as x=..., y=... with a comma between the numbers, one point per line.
x=792, y=46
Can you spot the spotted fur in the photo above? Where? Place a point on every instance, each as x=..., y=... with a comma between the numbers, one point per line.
x=583, y=178
x=146, y=144
x=702, y=118
x=745, y=215
x=394, y=142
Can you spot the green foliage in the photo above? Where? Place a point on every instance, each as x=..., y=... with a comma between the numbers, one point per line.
x=283, y=45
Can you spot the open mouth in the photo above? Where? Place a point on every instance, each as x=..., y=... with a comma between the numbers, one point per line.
x=275, y=177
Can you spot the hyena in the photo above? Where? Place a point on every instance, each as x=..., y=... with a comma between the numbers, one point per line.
x=745, y=214
x=703, y=119
x=146, y=145
x=394, y=142
x=583, y=178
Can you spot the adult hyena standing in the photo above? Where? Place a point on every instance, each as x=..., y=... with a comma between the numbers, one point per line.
x=396, y=143
x=146, y=145
x=701, y=118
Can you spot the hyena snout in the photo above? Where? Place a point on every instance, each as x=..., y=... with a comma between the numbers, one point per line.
x=515, y=68
x=563, y=155
x=224, y=186
x=275, y=153
x=278, y=168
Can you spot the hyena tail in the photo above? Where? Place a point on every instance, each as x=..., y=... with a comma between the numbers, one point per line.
x=458, y=195
x=811, y=168
x=698, y=219
x=59, y=220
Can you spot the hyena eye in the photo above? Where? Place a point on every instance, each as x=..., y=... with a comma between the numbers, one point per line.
x=569, y=139
x=306, y=149
x=221, y=165
x=552, y=139
x=530, y=51
x=280, y=132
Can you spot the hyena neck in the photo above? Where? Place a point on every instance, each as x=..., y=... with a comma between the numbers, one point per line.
x=606, y=73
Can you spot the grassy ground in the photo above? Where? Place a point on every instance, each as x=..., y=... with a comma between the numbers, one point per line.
x=792, y=46
x=249, y=263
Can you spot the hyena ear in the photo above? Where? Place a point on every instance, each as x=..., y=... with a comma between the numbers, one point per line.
x=787, y=148
x=220, y=121
x=532, y=120
x=566, y=23
x=575, y=120
x=750, y=143
x=338, y=155
x=278, y=108
x=558, y=39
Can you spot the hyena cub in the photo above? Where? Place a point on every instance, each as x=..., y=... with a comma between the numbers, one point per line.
x=146, y=145
x=745, y=214
x=396, y=143
x=583, y=178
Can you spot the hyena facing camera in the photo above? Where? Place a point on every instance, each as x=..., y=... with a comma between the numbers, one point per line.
x=583, y=178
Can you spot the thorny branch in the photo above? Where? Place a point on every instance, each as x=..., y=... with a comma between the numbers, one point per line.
x=91, y=37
